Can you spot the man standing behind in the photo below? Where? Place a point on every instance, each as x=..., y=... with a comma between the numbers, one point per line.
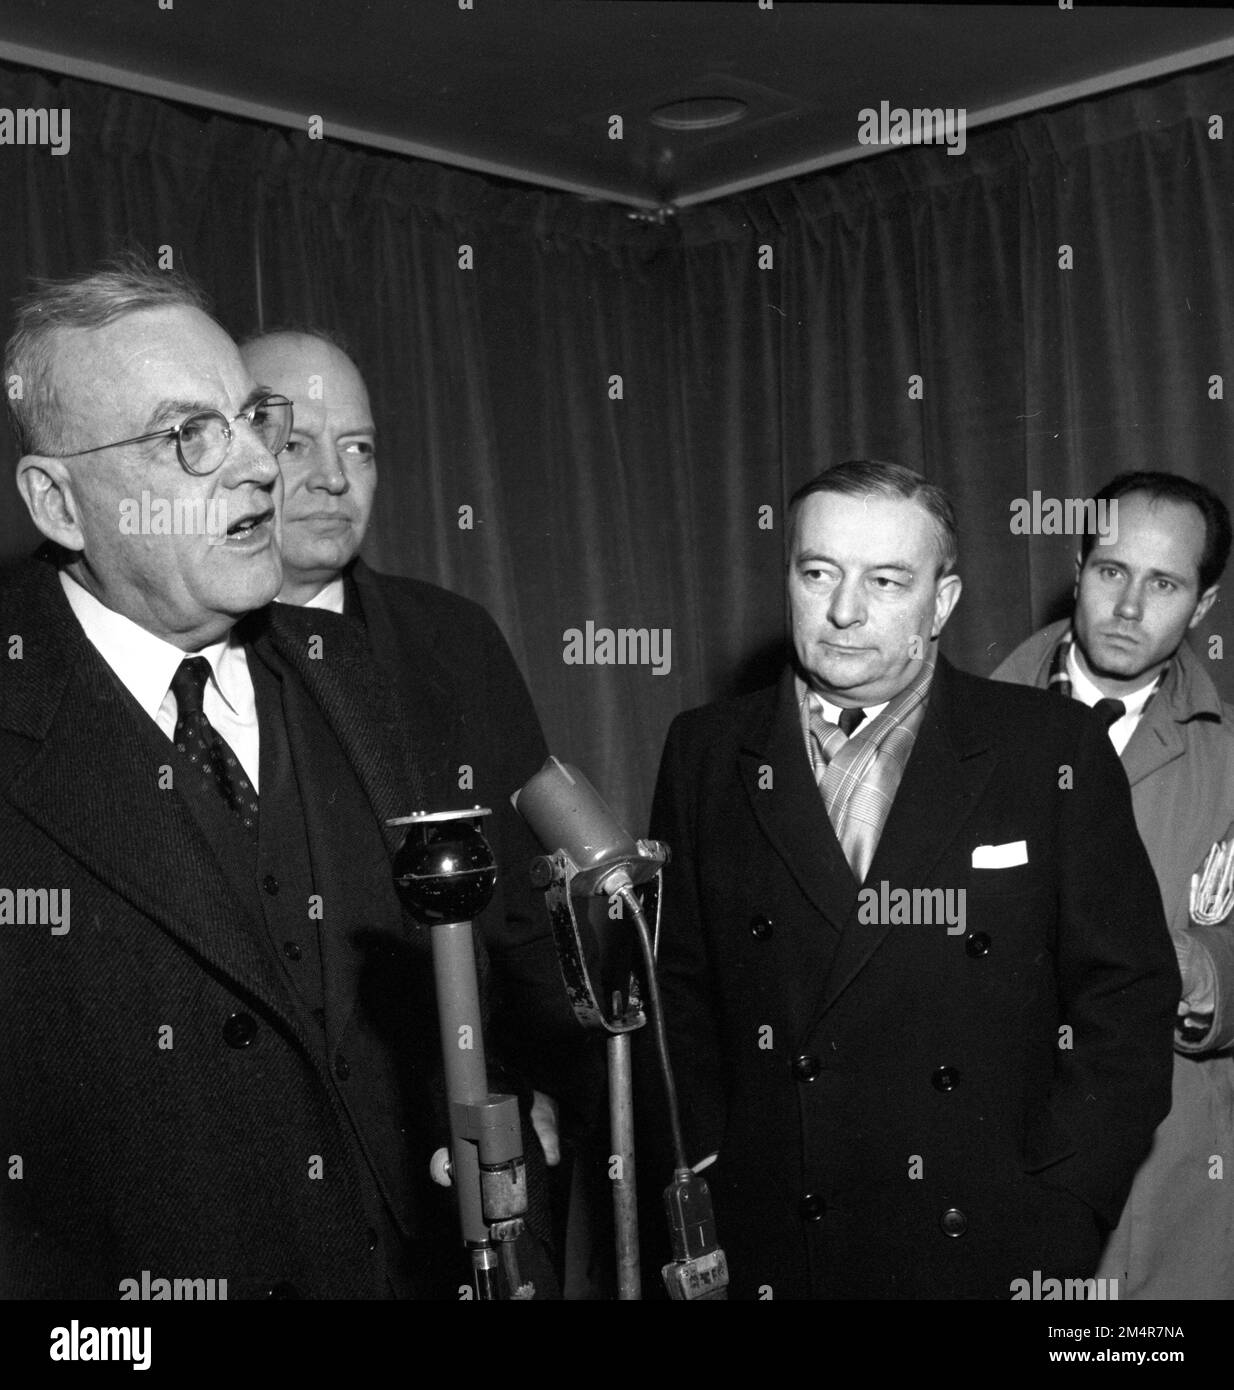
x=1124, y=652
x=917, y=984
x=465, y=705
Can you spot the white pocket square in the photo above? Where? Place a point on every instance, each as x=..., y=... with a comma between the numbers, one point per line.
x=1001, y=856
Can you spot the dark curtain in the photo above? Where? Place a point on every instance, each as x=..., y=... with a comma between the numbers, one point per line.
x=662, y=509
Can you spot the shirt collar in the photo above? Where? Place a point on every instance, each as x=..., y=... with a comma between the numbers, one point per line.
x=145, y=663
x=330, y=597
x=808, y=699
x=1084, y=690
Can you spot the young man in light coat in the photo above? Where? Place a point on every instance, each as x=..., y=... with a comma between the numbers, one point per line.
x=1137, y=594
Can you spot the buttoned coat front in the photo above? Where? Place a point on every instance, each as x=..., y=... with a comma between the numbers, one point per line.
x=906, y=1106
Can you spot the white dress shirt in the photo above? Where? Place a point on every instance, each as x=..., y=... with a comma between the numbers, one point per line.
x=145, y=665
x=1084, y=690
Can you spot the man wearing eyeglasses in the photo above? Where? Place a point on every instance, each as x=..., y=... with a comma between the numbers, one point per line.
x=217, y=1038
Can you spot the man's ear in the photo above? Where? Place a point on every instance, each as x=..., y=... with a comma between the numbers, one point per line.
x=1205, y=603
x=1079, y=569
x=46, y=487
x=946, y=596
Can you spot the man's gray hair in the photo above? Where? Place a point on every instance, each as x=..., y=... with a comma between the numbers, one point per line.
x=123, y=285
x=863, y=477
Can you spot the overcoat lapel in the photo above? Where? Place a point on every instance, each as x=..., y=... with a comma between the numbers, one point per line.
x=948, y=769
x=790, y=811
x=428, y=709
x=332, y=658
x=93, y=786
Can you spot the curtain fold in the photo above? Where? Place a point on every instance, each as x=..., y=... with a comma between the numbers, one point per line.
x=756, y=340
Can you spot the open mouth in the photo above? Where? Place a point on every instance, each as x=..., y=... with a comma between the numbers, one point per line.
x=248, y=525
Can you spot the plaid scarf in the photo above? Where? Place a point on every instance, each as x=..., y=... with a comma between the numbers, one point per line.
x=859, y=776
x=1059, y=678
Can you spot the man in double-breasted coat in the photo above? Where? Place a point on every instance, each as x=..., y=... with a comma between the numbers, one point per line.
x=918, y=986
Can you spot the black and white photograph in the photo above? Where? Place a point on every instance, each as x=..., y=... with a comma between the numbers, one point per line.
x=613, y=680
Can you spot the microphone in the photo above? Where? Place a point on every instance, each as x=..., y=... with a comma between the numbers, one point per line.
x=566, y=812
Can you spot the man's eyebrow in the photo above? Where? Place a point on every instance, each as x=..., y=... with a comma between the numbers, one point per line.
x=1152, y=573
x=174, y=410
x=1168, y=574
x=817, y=556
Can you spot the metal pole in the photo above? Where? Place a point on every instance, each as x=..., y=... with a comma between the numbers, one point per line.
x=462, y=1051
x=621, y=1129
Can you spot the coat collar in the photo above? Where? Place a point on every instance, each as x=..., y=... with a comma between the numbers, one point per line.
x=1187, y=693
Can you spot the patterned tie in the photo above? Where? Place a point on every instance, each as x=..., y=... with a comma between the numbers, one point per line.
x=829, y=738
x=1110, y=710
x=207, y=749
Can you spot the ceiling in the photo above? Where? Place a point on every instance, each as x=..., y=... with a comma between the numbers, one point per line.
x=526, y=89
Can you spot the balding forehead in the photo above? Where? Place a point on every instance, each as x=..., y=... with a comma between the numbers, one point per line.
x=299, y=355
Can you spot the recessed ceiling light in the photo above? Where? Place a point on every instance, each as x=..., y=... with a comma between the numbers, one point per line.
x=699, y=113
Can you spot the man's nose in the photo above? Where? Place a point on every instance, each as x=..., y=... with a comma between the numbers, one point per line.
x=248, y=459
x=325, y=472
x=846, y=607
x=1130, y=604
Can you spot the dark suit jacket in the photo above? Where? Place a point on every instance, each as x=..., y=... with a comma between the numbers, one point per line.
x=207, y=1158
x=896, y=1110
x=467, y=711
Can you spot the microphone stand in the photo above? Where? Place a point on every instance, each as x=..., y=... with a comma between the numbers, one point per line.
x=561, y=879
x=444, y=873
x=600, y=859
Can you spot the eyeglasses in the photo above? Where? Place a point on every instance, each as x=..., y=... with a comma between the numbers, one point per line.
x=203, y=440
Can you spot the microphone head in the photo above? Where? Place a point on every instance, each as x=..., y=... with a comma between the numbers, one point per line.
x=565, y=812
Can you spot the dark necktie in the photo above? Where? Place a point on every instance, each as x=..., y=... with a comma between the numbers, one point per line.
x=1110, y=710
x=849, y=719
x=206, y=748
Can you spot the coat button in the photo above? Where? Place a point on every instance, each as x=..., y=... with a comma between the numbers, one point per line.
x=239, y=1030
x=341, y=1069
x=371, y=1237
x=283, y=1290
x=953, y=1222
x=945, y=1079
x=805, y=1068
x=761, y=928
x=977, y=944
x=291, y=949
x=270, y=884
x=811, y=1207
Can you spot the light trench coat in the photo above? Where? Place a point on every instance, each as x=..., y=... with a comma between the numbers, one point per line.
x=1175, y=1238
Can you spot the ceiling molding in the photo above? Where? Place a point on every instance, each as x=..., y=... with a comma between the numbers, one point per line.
x=525, y=173
x=1005, y=111
x=222, y=102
